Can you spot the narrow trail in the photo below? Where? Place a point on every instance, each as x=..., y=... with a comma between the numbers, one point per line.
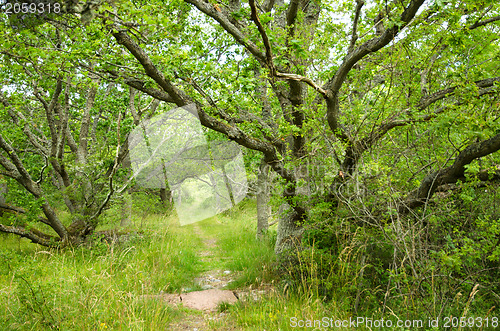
x=213, y=282
x=217, y=277
x=202, y=305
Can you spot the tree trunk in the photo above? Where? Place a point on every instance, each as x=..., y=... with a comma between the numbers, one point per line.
x=3, y=194
x=165, y=196
x=79, y=230
x=263, y=197
x=228, y=186
x=290, y=233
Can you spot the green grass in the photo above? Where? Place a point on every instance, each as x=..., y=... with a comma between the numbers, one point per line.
x=276, y=311
x=102, y=287
x=95, y=288
x=110, y=287
x=238, y=249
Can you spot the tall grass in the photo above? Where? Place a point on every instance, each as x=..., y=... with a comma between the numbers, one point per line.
x=106, y=286
x=95, y=288
x=115, y=286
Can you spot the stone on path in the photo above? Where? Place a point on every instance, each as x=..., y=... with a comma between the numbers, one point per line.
x=207, y=300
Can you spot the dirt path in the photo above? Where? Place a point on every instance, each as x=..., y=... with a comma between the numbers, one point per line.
x=213, y=282
x=205, y=309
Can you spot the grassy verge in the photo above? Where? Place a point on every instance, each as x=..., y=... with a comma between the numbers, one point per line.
x=104, y=287
x=98, y=288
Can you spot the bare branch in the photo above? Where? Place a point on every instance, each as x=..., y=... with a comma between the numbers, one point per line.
x=354, y=36
x=300, y=78
x=265, y=39
x=31, y=235
x=483, y=23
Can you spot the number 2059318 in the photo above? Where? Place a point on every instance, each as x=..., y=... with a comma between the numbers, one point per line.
x=488, y=322
x=31, y=8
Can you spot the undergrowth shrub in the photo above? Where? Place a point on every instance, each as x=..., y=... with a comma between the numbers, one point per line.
x=443, y=261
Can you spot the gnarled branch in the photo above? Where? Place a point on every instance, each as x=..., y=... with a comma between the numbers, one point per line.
x=483, y=23
x=426, y=101
x=265, y=39
x=335, y=83
x=35, y=236
x=218, y=15
x=181, y=99
x=450, y=174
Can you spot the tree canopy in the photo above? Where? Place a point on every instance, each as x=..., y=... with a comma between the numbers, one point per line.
x=371, y=105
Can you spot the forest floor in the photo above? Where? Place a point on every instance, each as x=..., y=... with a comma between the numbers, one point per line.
x=216, y=294
x=152, y=278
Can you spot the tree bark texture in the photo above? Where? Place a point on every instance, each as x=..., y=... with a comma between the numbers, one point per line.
x=263, y=199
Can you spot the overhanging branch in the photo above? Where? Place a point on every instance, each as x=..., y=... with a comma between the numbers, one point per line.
x=181, y=99
x=40, y=238
x=14, y=209
x=450, y=174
